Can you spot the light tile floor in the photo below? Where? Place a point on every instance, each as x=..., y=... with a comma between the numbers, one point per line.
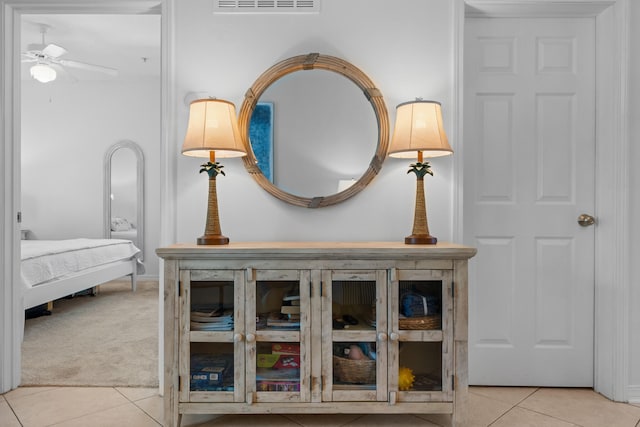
x=135, y=407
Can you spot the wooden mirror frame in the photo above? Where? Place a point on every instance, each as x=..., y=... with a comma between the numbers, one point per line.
x=315, y=61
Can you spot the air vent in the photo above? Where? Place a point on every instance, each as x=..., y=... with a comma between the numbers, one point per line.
x=266, y=6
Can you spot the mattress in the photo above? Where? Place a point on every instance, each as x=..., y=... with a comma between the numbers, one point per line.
x=47, y=260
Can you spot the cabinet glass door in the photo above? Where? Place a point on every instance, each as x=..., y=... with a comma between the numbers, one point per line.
x=354, y=344
x=278, y=333
x=420, y=335
x=211, y=350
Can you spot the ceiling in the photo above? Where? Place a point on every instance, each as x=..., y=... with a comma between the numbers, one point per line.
x=129, y=43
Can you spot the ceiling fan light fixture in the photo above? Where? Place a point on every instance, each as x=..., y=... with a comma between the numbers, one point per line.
x=43, y=73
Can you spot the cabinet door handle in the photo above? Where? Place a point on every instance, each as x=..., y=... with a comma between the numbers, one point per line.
x=394, y=336
x=238, y=338
x=382, y=336
x=251, y=338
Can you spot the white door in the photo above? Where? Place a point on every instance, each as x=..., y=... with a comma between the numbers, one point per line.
x=529, y=174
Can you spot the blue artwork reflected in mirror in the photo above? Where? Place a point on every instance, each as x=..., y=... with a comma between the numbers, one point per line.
x=261, y=137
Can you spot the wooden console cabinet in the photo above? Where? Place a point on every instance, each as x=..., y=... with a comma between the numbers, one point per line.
x=315, y=327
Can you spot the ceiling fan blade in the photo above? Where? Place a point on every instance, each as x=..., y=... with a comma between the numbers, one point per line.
x=64, y=73
x=90, y=67
x=54, y=51
x=29, y=60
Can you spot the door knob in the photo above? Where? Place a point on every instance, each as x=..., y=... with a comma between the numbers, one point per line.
x=586, y=220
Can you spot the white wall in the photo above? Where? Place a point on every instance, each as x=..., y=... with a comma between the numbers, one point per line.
x=405, y=47
x=66, y=131
x=634, y=214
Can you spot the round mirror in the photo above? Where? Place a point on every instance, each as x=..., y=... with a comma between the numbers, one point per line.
x=314, y=138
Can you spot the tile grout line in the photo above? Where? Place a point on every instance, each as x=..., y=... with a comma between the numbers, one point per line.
x=133, y=402
x=502, y=401
x=542, y=413
x=502, y=415
x=128, y=401
x=551, y=416
x=87, y=414
x=346, y=424
x=341, y=425
x=293, y=421
x=516, y=405
x=12, y=411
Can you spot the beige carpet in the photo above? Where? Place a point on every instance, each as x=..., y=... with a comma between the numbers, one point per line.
x=110, y=339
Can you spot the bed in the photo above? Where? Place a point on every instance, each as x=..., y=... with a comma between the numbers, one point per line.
x=122, y=228
x=52, y=269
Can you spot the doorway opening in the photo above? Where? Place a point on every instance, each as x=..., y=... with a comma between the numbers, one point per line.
x=22, y=109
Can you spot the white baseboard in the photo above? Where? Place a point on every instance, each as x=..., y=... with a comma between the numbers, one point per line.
x=633, y=392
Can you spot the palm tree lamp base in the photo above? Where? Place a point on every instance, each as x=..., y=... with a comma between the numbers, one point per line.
x=213, y=240
x=212, y=231
x=420, y=239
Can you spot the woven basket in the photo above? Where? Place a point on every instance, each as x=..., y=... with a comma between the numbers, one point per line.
x=424, y=323
x=354, y=371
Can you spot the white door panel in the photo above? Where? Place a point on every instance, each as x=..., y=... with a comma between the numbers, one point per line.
x=529, y=174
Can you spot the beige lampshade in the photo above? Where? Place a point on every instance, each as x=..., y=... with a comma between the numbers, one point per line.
x=419, y=128
x=213, y=126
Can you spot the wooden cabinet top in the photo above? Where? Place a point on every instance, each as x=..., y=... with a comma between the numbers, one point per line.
x=315, y=250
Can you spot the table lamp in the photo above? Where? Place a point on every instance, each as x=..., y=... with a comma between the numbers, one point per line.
x=212, y=132
x=419, y=133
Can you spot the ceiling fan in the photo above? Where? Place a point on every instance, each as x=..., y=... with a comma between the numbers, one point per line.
x=48, y=58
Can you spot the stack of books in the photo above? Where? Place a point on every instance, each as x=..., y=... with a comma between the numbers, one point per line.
x=289, y=316
x=291, y=307
x=203, y=319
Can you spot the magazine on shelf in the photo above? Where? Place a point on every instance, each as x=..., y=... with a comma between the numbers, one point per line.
x=197, y=317
x=197, y=326
x=205, y=319
x=268, y=374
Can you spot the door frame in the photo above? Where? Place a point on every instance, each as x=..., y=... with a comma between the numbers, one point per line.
x=11, y=11
x=612, y=282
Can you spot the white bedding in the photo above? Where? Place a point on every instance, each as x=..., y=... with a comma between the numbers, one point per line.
x=46, y=260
